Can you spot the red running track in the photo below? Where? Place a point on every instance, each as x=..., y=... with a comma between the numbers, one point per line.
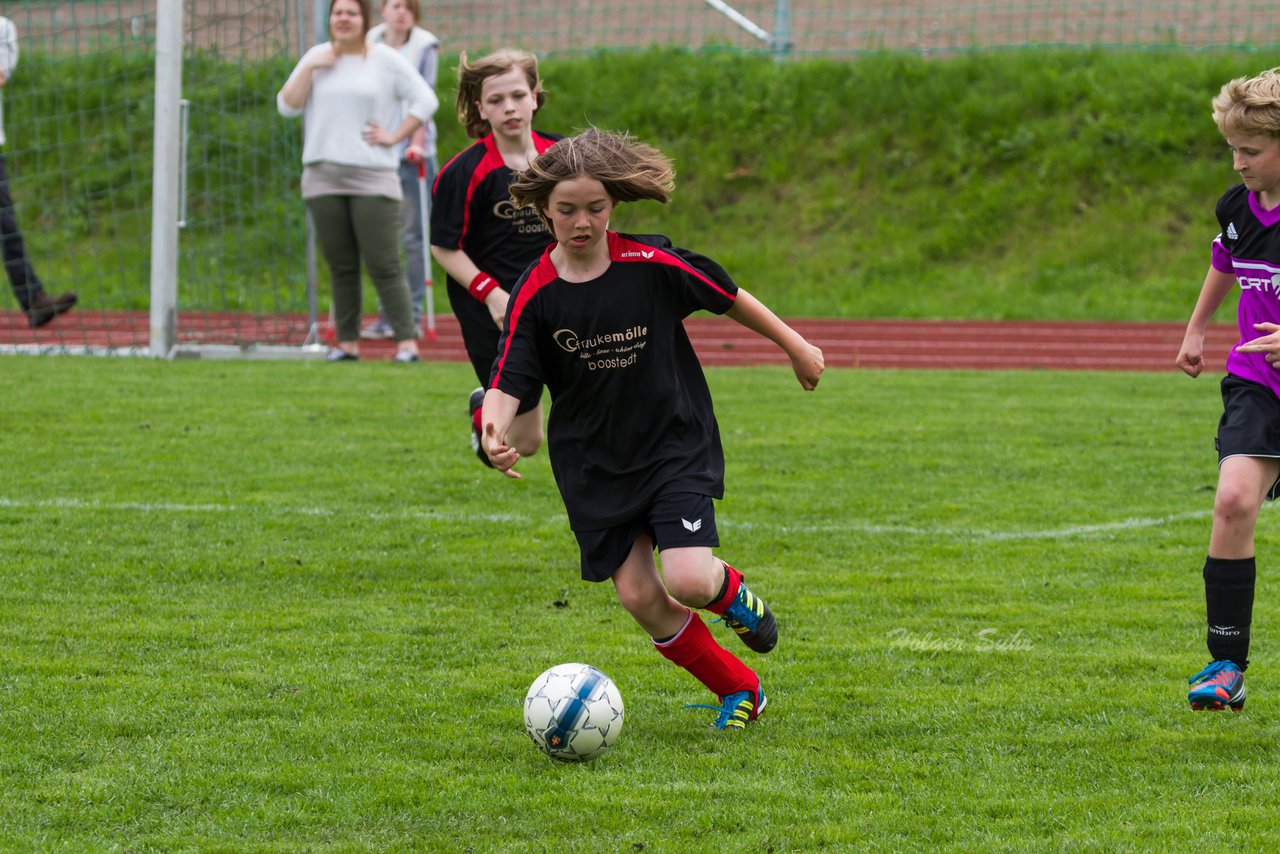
x=920, y=344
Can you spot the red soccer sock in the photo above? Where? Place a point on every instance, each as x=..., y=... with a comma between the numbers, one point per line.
x=694, y=649
x=475, y=420
x=733, y=580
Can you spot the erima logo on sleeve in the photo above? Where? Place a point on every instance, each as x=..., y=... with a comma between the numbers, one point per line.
x=691, y=527
x=1232, y=234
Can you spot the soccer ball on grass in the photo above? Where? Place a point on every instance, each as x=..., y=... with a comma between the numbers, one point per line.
x=573, y=712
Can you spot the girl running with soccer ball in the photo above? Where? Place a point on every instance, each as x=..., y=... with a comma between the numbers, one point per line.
x=634, y=443
x=480, y=239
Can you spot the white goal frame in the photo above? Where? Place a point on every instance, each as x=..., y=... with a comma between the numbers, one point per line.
x=167, y=206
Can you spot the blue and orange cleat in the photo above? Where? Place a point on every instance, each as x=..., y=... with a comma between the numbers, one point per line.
x=1219, y=685
x=737, y=709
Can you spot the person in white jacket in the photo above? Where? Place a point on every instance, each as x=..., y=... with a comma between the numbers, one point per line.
x=39, y=307
x=350, y=94
x=399, y=29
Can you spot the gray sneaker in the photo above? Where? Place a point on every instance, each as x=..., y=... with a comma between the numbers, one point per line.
x=379, y=330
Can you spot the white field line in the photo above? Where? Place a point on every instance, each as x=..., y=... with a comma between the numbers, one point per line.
x=1069, y=532
x=254, y=510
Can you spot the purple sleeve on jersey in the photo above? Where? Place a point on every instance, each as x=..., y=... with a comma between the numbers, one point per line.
x=1222, y=260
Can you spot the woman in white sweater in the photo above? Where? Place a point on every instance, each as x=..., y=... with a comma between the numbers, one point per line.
x=400, y=30
x=348, y=94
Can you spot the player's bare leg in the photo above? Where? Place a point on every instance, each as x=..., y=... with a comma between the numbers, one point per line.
x=681, y=637
x=699, y=579
x=641, y=592
x=1243, y=483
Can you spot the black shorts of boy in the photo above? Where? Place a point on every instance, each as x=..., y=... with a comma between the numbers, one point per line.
x=674, y=521
x=1250, y=423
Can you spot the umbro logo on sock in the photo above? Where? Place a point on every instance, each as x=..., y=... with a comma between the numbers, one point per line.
x=691, y=527
x=1231, y=231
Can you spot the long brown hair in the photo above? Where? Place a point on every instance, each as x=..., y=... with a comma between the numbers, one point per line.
x=630, y=170
x=471, y=77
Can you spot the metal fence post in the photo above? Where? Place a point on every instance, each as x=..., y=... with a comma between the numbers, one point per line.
x=781, y=42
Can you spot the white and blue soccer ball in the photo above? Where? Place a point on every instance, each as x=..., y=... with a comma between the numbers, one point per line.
x=573, y=712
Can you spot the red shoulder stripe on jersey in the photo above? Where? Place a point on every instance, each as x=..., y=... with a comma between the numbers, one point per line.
x=542, y=143
x=449, y=163
x=632, y=251
x=492, y=160
x=539, y=277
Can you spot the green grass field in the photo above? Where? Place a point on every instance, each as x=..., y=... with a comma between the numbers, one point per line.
x=280, y=607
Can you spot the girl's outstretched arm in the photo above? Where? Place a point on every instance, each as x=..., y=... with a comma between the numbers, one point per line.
x=806, y=359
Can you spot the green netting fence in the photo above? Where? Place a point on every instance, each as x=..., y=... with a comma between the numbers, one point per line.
x=78, y=114
x=801, y=27
x=842, y=28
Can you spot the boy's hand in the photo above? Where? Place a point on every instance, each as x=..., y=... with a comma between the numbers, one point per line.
x=498, y=452
x=1268, y=343
x=1191, y=357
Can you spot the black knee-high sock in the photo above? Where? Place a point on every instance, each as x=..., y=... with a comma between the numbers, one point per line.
x=1228, y=595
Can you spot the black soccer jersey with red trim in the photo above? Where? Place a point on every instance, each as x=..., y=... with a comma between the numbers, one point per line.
x=1248, y=248
x=471, y=210
x=631, y=415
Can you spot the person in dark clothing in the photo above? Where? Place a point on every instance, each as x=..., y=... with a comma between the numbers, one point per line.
x=480, y=239
x=39, y=307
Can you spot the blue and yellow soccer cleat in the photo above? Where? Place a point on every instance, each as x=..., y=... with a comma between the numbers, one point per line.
x=751, y=618
x=737, y=709
x=1219, y=685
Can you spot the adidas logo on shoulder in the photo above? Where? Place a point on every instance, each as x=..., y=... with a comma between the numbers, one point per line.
x=640, y=254
x=1232, y=234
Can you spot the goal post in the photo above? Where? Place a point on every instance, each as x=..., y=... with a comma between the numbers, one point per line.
x=165, y=174
x=193, y=314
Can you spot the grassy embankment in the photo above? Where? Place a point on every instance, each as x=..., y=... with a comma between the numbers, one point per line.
x=1061, y=184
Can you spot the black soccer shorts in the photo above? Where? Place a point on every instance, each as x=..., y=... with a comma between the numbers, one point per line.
x=1250, y=423
x=677, y=520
